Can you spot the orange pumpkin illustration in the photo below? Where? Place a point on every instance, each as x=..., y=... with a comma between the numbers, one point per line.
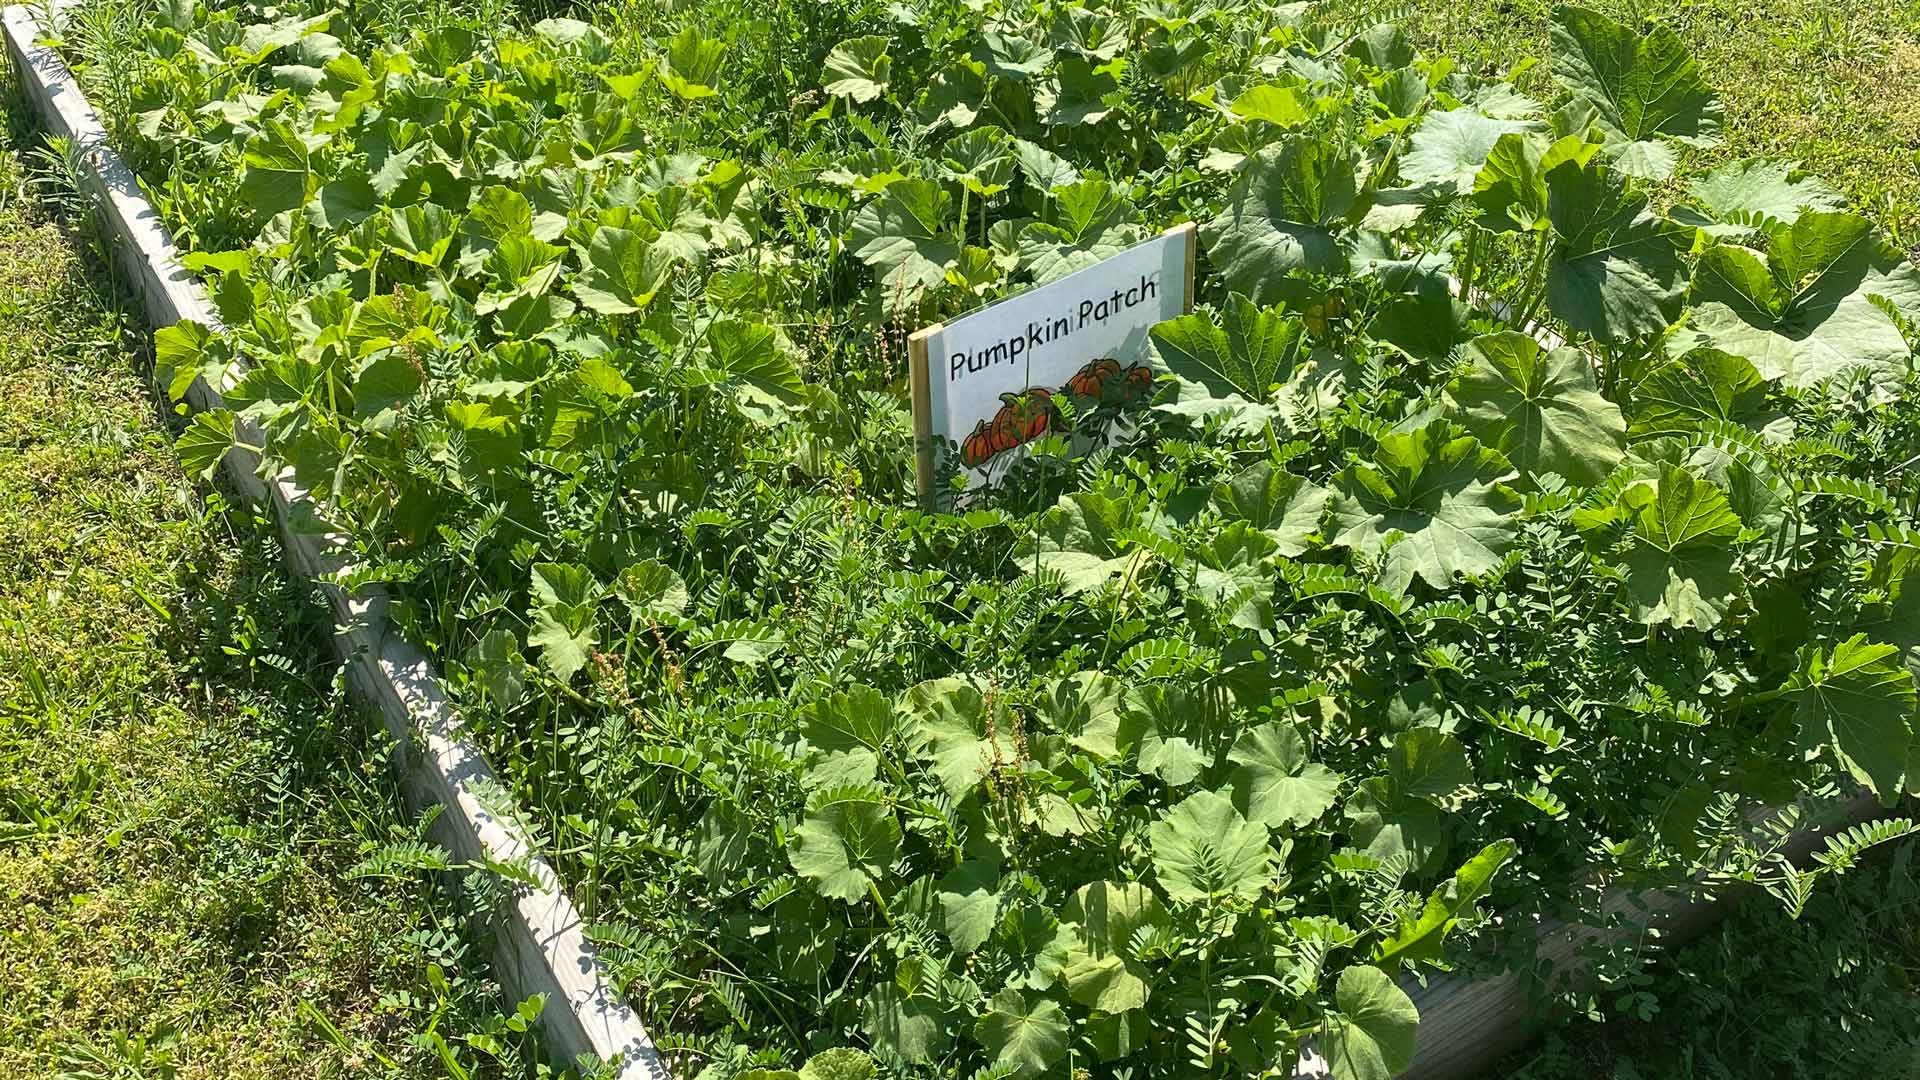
x=1022, y=418
x=1088, y=381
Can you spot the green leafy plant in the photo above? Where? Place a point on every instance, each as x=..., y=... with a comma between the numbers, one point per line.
x=1496, y=524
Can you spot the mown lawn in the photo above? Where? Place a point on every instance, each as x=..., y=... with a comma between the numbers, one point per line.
x=183, y=789
x=1829, y=84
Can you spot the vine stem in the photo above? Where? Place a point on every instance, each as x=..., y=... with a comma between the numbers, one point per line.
x=880, y=902
x=1536, y=291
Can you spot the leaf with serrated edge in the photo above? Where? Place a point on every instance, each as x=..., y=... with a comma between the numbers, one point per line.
x=1542, y=409
x=1858, y=701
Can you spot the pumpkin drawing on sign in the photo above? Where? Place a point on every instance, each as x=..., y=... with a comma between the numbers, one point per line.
x=1088, y=381
x=1095, y=379
x=1022, y=418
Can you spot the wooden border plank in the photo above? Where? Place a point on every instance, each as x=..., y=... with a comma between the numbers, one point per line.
x=540, y=943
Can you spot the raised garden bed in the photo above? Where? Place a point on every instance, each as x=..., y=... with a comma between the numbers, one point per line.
x=761, y=797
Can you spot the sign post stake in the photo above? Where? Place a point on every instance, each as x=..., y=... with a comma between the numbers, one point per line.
x=1192, y=232
x=923, y=451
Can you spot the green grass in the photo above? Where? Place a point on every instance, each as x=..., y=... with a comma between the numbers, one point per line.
x=1830, y=83
x=183, y=788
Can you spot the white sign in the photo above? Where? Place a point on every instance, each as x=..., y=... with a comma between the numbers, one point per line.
x=985, y=382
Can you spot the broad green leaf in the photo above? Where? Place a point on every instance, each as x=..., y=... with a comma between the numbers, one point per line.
x=1116, y=1037
x=388, y=380
x=1858, y=701
x=843, y=1063
x=1383, y=46
x=1428, y=324
x=859, y=68
x=845, y=846
x=691, y=67
x=857, y=718
x=500, y=212
x=1203, y=848
x=205, y=442
x=420, y=233
x=518, y=266
x=649, y=587
x=624, y=272
x=1051, y=252
x=1419, y=938
x=1616, y=271
x=1641, y=88
x=1741, y=197
x=573, y=34
x=952, y=734
x=683, y=226
x=405, y=316
x=1250, y=352
x=981, y=159
x=1680, y=565
x=1804, y=313
x=343, y=203
x=1093, y=34
x=1044, y=169
x=1096, y=930
x=1160, y=722
x=278, y=172
x=1510, y=190
x=526, y=317
x=1235, y=568
x=752, y=354
x=564, y=626
x=916, y=1027
x=724, y=843
x=1077, y=93
x=1896, y=619
x=1543, y=410
x=262, y=40
x=1009, y=56
x=1449, y=148
x=1274, y=783
x=187, y=351
x=807, y=928
x=1085, y=707
x=1704, y=384
x=1079, y=538
x=970, y=903
x=906, y=235
x=1281, y=215
x=955, y=96
x=1371, y=1036
x=1388, y=826
x=1028, y=1036
x=1427, y=763
x=500, y=670
x=1288, y=508
x=1283, y=106
x=1443, y=492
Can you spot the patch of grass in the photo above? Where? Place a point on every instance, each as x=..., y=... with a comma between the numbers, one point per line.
x=184, y=790
x=1830, y=84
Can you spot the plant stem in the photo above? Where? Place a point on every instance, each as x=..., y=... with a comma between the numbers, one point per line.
x=1535, y=290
